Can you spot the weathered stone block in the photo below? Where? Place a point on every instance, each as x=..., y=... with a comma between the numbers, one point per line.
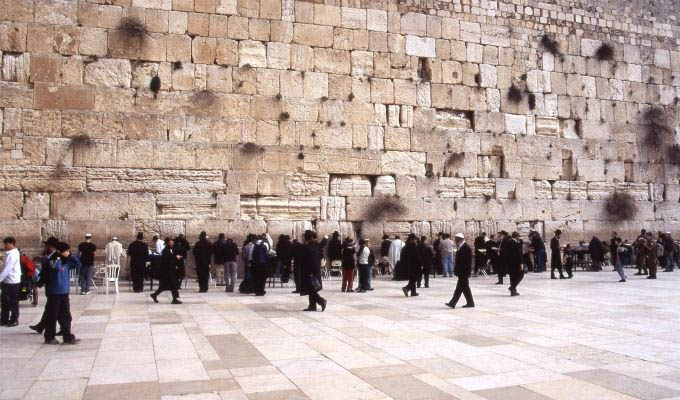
x=351, y=186
x=154, y=181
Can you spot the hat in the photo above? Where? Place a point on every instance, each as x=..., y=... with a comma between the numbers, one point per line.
x=140, y=236
x=558, y=232
x=115, y=238
x=459, y=236
x=51, y=241
x=88, y=235
x=62, y=247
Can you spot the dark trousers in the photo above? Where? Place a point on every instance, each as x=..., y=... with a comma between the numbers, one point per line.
x=296, y=277
x=568, y=267
x=515, y=279
x=556, y=264
x=203, y=274
x=364, y=276
x=652, y=270
x=411, y=286
x=424, y=273
x=463, y=287
x=260, y=279
x=138, y=272
x=314, y=299
x=58, y=309
x=9, y=303
x=480, y=262
x=162, y=287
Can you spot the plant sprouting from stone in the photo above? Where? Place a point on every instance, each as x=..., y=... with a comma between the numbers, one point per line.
x=284, y=116
x=514, y=94
x=605, y=52
x=383, y=208
x=656, y=127
x=673, y=154
x=177, y=65
x=620, y=206
x=132, y=28
x=550, y=44
x=250, y=148
x=155, y=85
x=424, y=70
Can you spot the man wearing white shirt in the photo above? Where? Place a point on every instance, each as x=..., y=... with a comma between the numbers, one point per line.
x=113, y=251
x=160, y=244
x=10, y=277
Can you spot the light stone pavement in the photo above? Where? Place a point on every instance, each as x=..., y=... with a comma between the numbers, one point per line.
x=586, y=338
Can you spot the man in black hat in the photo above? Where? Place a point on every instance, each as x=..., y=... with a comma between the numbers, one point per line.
x=138, y=251
x=514, y=263
x=556, y=256
x=503, y=249
x=410, y=259
x=203, y=250
x=49, y=250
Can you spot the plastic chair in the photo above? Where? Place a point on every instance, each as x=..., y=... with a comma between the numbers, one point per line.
x=73, y=276
x=111, y=277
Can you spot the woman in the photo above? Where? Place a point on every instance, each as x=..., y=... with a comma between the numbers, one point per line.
x=348, y=252
x=171, y=265
x=311, y=272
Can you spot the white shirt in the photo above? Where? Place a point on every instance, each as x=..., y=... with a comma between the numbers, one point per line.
x=113, y=252
x=363, y=256
x=160, y=245
x=394, y=254
x=11, y=272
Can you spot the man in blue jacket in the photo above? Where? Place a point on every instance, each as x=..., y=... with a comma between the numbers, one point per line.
x=57, y=289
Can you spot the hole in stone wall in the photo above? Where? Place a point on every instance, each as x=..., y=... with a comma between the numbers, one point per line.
x=424, y=69
x=628, y=172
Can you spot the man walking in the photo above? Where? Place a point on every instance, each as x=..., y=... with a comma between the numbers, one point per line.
x=10, y=277
x=462, y=271
x=410, y=259
x=426, y=257
x=138, y=251
x=203, y=255
x=87, y=250
x=556, y=255
x=502, y=262
x=514, y=263
x=311, y=273
x=446, y=248
x=394, y=254
x=57, y=308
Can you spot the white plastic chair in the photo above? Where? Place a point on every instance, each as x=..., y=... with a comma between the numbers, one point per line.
x=73, y=276
x=111, y=277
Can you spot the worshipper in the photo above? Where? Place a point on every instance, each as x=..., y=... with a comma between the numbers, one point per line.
x=311, y=272
x=219, y=259
x=49, y=250
x=641, y=255
x=260, y=262
x=57, y=282
x=447, y=249
x=426, y=257
x=169, y=273
x=480, y=252
x=138, y=252
x=569, y=260
x=596, y=251
x=348, y=252
x=651, y=249
x=394, y=254
x=492, y=252
x=463, y=271
x=384, y=252
x=616, y=250
x=437, y=253
x=225, y=253
x=526, y=255
x=203, y=250
x=247, y=284
x=410, y=259
x=297, y=251
x=335, y=248
x=86, y=252
x=538, y=247
x=10, y=278
x=159, y=244
x=113, y=252
x=614, y=243
x=365, y=259
x=284, y=253
x=555, y=256
x=668, y=249
x=514, y=263
x=182, y=247
x=502, y=263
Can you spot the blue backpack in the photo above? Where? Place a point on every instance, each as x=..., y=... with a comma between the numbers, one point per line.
x=261, y=254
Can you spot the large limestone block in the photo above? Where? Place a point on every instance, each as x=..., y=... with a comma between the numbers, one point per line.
x=186, y=206
x=600, y=190
x=97, y=206
x=515, y=124
x=398, y=162
x=480, y=187
x=333, y=208
x=590, y=170
x=332, y=61
x=351, y=186
x=270, y=9
x=451, y=187
x=357, y=208
x=376, y=20
x=26, y=233
x=570, y=190
x=638, y=191
x=42, y=179
x=70, y=97
x=307, y=184
x=539, y=210
x=385, y=185
x=313, y=35
x=154, y=181
x=36, y=206
x=420, y=46
x=414, y=24
x=547, y=126
x=253, y=53
x=276, y=208
x=12, y=203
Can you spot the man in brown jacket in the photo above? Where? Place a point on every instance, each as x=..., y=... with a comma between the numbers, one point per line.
x=650, y=248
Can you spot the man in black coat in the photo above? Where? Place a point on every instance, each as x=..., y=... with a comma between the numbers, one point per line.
x=427, y=258
x=480, y=252
x=138, y=251
x=170, y=265
x=311, y=272
x=182, y=246
x=514, y=263
x=556, y=255
x=492, y=252
x=410, y=259
x=463, y=270
x=502, y=262
x=203, y=251
x=335, y=248
x=298, y=253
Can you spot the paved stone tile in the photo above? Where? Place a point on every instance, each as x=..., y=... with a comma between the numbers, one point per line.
x=541, y=345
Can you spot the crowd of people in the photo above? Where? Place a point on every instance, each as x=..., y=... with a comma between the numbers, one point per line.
x=307, y=261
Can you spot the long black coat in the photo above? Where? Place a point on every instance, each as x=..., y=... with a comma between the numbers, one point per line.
x=555, y=256
x=335, y=249
x=410, y=259
x=311, y=266
x=514, y=257
x=503, y=253
x=170, y=271
x=426, y=254
x=463, y=267
x=203, y=251
x=138, y=252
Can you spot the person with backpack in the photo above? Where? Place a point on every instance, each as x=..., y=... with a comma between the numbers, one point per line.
x=365, y=259
x=57, y=283
x=260, y=264
x=10, y=278
x=203, y=251
x=87, y=251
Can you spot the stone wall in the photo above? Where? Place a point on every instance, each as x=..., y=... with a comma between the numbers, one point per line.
x=283, y=115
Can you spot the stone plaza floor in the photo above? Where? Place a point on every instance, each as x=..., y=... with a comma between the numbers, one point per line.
x=586, y=338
